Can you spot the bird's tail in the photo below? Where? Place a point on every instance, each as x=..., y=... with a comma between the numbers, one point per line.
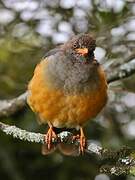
x=63, y=148
x=46, y=151
x=68, y=149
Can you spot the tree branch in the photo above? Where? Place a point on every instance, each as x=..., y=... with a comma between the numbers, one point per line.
x=9, y=107
x=123, y=161
x=122, y=72
x=22, y=134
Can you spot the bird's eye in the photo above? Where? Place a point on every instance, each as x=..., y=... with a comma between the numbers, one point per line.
x=75, y=45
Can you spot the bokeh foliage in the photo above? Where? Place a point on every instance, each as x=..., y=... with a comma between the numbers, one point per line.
x=28, y=29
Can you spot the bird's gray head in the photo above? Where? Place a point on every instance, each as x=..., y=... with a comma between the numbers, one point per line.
x=80, y=48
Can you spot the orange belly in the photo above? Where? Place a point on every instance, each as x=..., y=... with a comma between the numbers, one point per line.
x=60, y=109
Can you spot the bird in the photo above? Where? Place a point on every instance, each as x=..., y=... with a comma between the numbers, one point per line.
x=68, y=88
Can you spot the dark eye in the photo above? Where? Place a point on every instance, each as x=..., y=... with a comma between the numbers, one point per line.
x=75, y=45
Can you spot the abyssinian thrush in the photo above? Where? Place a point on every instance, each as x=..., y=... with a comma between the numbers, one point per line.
x=68, y=87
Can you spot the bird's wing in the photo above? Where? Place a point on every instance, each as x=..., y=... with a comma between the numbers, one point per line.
x=52, y=52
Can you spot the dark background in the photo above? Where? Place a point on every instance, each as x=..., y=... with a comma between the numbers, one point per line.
x=28, y=29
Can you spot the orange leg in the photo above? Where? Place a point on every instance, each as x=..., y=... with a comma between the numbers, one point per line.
x=82, y=139
x=50, y=134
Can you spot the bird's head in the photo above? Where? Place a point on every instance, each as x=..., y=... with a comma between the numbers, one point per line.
x=80, y=48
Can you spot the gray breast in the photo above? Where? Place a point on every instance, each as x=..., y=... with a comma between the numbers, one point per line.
x=72, y=77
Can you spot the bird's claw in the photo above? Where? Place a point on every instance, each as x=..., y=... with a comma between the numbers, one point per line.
x=82, y=141
x=49, y=136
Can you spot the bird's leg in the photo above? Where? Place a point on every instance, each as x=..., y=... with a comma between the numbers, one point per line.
x=82, y=139
x=50, y=134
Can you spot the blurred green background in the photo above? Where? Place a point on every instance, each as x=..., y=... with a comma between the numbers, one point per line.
x=28, y=29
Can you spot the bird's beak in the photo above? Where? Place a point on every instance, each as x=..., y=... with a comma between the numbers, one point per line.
x=82, y=51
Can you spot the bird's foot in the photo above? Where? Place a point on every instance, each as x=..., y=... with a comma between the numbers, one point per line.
x=82, y=140
x=49, y=136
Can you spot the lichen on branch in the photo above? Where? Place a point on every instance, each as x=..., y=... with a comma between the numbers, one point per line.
x=123, y=159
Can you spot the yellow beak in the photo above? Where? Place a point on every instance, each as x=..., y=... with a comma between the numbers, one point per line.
x=82, y=51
